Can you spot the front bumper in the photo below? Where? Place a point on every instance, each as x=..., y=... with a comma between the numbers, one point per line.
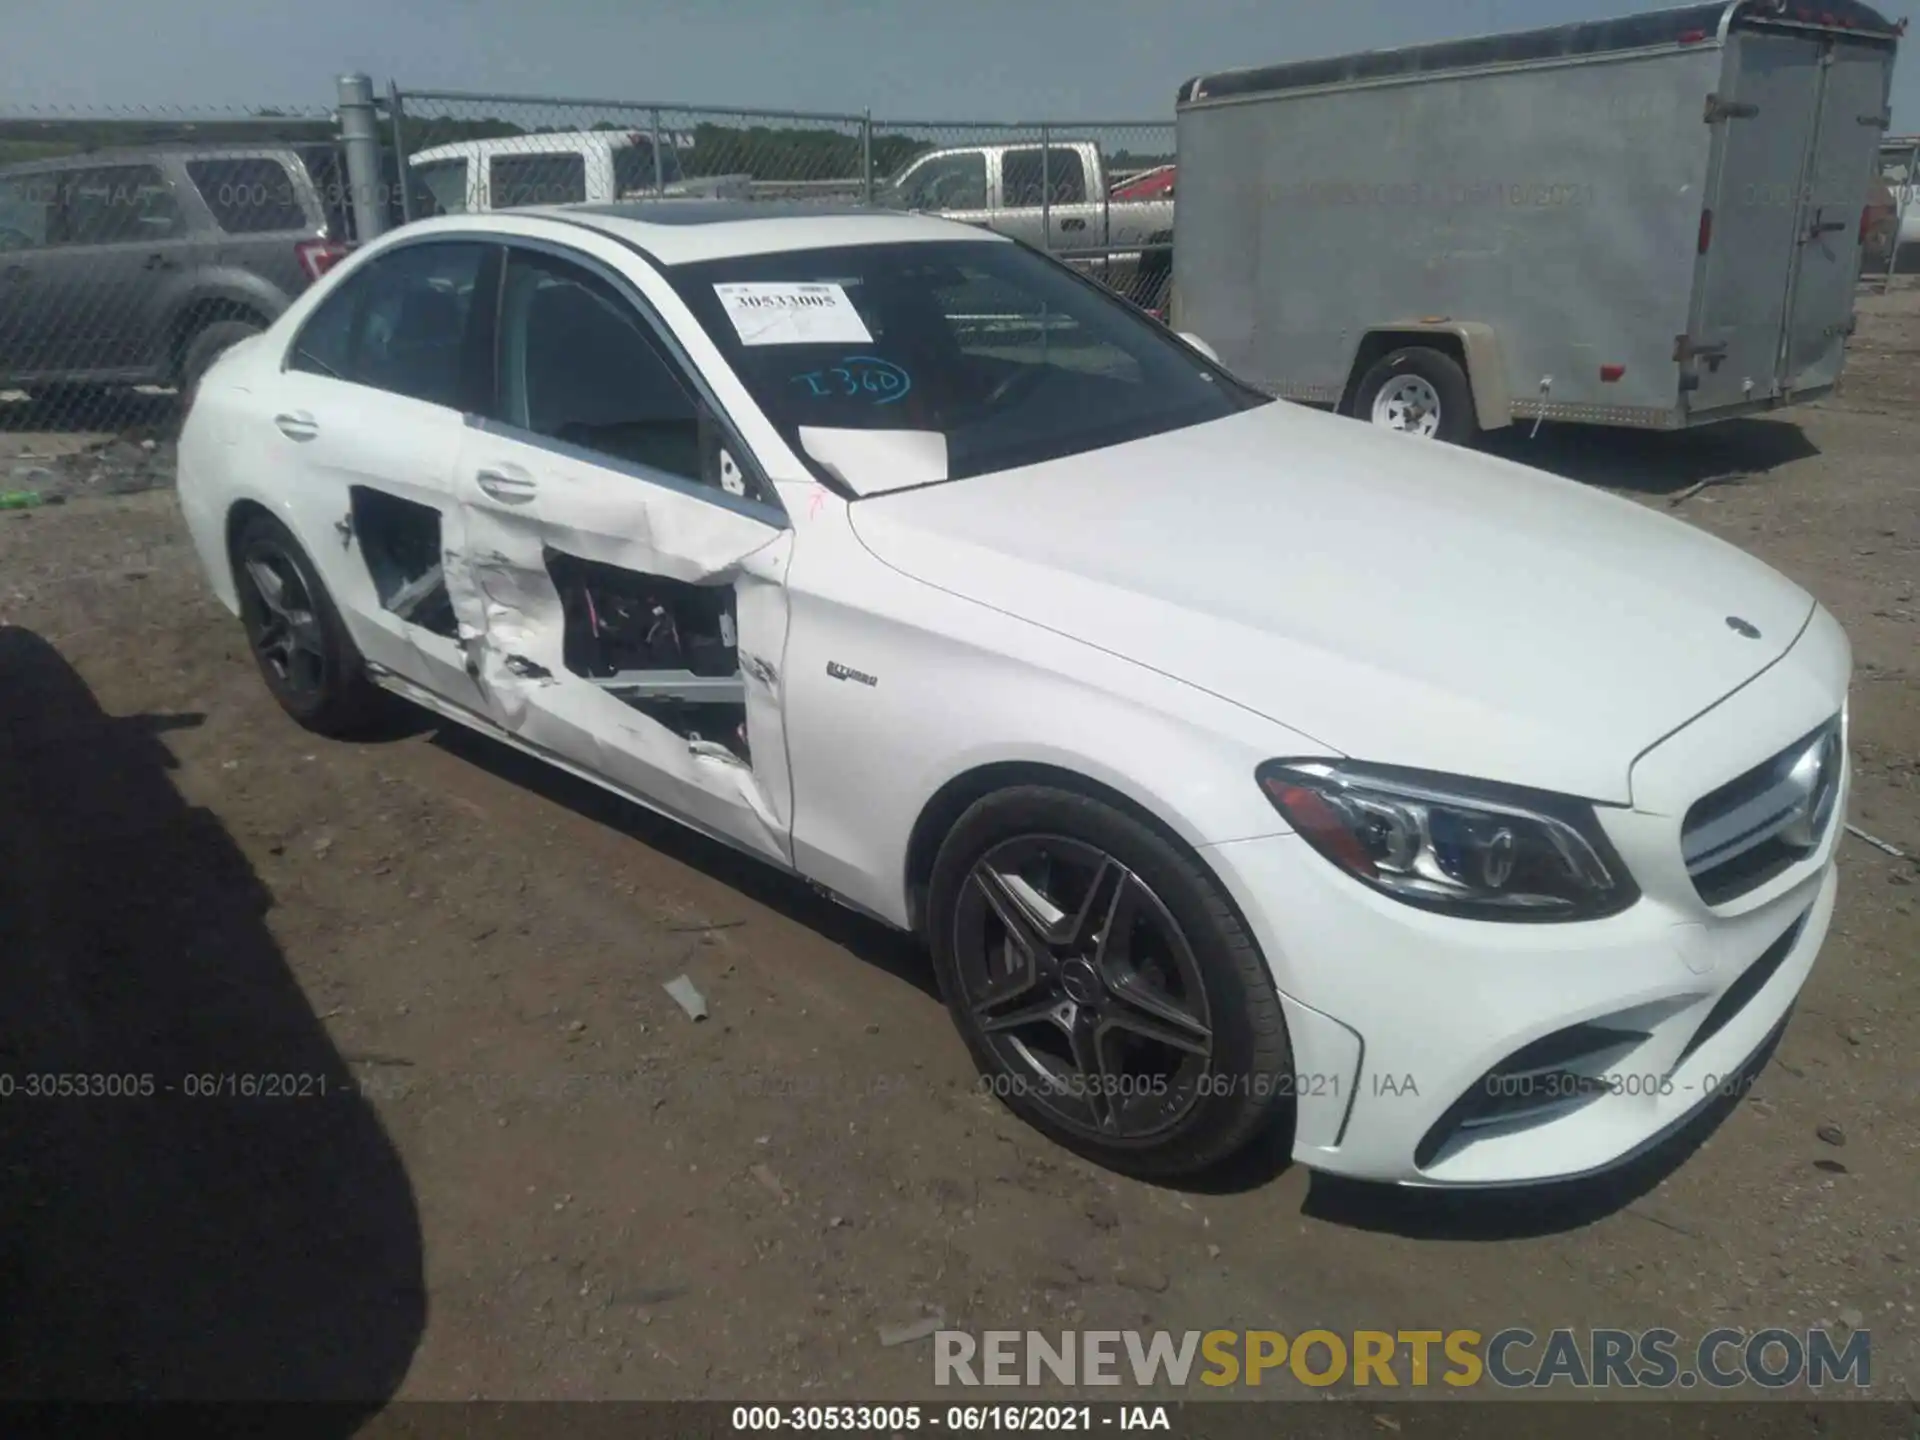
x=1436, y=1051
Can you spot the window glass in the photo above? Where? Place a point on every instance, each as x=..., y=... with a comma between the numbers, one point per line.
x=578, y=363
x=25, y=203
x=1023, y=183
x=633, y=167
x=1006, y=353
x=446, y=182
x=556, y=179
x=115, y=204
x=948, y=182
x=400, y=324
x=249, y=195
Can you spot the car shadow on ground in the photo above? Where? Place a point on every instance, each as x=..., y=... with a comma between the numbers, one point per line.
x=886, y=949
x=167, y=1230
x=1656, y=462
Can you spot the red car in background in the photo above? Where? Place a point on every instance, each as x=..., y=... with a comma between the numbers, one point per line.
x=1154, y=184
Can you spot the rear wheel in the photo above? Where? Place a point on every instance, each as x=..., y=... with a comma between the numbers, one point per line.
x=1105, y=987
x=1420, y=391
x=304, y=652
x=207, y=345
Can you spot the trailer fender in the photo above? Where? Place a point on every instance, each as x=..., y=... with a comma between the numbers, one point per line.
x=1472, y=343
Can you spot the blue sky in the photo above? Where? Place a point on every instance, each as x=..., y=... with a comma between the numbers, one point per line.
x=934, y=59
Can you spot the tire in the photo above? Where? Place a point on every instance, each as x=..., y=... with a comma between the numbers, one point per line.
x=1179, y=1111
x=1435, y=380
x=207, y=345
x=317, y=675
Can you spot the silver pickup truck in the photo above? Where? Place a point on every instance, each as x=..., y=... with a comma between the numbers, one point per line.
x=1055, y=197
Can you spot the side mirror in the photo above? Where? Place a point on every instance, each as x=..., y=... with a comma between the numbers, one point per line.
x=1198, y=344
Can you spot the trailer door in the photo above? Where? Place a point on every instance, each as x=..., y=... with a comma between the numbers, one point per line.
x=1751, y=229
x=1845, y=154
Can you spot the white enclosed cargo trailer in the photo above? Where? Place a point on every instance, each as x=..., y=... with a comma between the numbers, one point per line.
x=1651, y=221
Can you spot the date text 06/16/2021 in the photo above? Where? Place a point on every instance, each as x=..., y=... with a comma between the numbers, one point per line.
x=958, y=1419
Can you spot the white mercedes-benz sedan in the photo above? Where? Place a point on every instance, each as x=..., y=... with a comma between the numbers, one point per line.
x=1239, y=764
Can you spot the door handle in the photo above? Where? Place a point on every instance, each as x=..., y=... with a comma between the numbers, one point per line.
x=1073, y=223
x=158, y=262
x=508, y=484
x=1823, y=227
x=296, y=424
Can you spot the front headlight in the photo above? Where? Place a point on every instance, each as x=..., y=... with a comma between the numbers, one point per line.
x=1464, y=847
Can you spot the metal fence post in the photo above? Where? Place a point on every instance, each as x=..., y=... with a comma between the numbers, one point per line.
x=360, y=134
x=396, y=118
x=866, y=157
x=1046, y=185
x=659, y=160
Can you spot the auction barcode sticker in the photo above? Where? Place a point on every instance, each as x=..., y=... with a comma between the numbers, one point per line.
x=792, y=314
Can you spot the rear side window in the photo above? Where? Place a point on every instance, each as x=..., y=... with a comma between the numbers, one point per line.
x=400, y=324
x=554, y=179
x=1024, y=183
x=115, y=204
x=445, y=183
x=250, y=195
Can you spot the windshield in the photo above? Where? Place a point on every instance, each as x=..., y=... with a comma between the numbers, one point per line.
x=1010, y=356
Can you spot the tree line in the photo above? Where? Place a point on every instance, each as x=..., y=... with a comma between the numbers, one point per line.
x=767, y=152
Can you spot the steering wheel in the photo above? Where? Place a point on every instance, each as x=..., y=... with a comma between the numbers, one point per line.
x=1017, y=384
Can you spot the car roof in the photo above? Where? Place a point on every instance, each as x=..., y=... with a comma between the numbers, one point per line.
x=146, y=154
x=542, y=143
x=682, y=232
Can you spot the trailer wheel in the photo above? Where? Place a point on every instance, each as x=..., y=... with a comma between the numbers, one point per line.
x=1420, y=391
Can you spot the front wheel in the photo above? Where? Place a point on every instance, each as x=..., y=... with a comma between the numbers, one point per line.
x=1420, y=391
x=1104, y=985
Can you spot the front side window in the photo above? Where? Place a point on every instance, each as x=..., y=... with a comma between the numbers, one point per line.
x=946, y=182
x=633, y=172
x=578, y=364
x=1009, y=355
x=116, y=204
x=399, y=324
x=554, y=179
x=445, y=181
x=249, y=195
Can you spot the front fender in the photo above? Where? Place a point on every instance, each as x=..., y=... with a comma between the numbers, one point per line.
x=894, y=688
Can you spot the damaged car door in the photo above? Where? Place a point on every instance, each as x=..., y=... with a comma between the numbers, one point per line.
x=620, y=576
x=369, y=409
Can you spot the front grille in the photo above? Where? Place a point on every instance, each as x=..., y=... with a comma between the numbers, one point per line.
x=1760, y=823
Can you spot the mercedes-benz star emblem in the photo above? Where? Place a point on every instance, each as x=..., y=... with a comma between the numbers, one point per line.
x=1743, y=627
x=1815, y=777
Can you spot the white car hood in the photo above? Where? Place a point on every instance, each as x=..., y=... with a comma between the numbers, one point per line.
x=1394, y=599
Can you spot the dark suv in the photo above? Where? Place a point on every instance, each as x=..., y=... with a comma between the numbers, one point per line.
x=138, y=267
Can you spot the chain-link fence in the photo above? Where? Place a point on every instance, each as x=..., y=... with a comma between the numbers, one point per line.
x=469, y=152
x=136, y=245
x=1100, y=195
x=1097, y=194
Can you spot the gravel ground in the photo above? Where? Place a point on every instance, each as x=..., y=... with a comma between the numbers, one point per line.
x=510, y=1167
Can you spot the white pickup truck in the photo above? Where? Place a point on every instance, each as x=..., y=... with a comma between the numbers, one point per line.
x=1056, y=198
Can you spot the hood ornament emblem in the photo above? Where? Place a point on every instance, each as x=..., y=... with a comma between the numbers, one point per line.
x=1743, y=627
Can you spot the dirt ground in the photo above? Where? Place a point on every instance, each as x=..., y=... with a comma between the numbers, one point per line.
x=510, y=1167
